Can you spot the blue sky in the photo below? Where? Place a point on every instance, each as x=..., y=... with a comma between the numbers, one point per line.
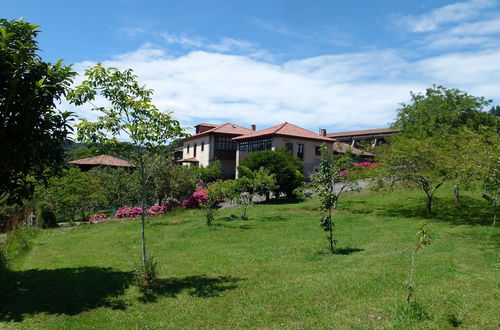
x=339, y=65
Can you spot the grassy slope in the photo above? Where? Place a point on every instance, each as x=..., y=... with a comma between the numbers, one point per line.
x=269, y=272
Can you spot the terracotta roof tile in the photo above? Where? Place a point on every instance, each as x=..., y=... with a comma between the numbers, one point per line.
x=285, y=129
x=227, y=128
x=105, y=160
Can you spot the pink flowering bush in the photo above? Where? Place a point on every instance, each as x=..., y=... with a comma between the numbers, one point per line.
x=365, y=164
x=196, y=200
x=97, y=217
x=156, y=209
x=128, y=212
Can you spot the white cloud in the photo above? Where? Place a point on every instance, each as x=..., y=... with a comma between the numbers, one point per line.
x=348, y=91
x=453, y=13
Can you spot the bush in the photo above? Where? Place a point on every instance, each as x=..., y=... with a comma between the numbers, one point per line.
x=196, y=200
x=128, y=212
x=146, y=274
x=211, y=173
x=97, y=217
x=45, y=217
x=286, y=168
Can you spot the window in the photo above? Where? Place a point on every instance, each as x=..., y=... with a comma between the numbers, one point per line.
x=256, y=145
x=188, y=148
x=289, y=146
x=317, y=151
x=224, y=143
x=194, y=150
x=202, y=146
x=300, y=151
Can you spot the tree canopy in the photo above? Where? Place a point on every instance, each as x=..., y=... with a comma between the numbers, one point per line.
x=31, y=128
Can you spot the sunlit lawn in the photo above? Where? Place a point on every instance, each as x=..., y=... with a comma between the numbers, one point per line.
x=272, y=271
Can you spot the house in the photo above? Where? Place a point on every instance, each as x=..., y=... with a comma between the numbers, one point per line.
x=86, y=164
x=212, y=143
x=366, y=137
x=302, y=143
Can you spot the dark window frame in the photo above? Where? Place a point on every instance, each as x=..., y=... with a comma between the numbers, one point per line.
x=256, y=145
x=300, y=151
x=317, y=151
x=194, y=150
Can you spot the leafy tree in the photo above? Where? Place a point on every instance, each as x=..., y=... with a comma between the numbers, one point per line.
x=421, y=163
x=210, y=173
x=442, y=111
x=73, y=192
x=286, y=168
x=491, y=187
x=119, y=185
x=448, y=119
x=131, y=115
x=169, y=180
x=31, y=129
x=330, y=180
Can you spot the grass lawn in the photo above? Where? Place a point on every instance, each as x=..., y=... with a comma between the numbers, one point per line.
x=272, y=271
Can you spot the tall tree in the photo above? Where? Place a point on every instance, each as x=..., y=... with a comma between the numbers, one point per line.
x=32, y=130
x=130, y=116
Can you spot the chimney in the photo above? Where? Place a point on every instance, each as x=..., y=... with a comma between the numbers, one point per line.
x=322, y=132
x=253, y=127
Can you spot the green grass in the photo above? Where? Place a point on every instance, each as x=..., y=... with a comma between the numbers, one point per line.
x=272, y=271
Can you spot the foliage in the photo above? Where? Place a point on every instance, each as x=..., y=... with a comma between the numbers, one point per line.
x=442, y=110
x=210, y=173
x=330, y=180
x=119, y=185
x=131, y=115
x=45, y=216
x=423, y=163
x=97, y=217
x=423, y=239
x=146, y=273
x=196, y=200
x=491, y=187
x=168, y=180
x=215, y=192
x=495, y=111
x=83, y=151
x=281, y=163
x=74, y=191
x=30, y=126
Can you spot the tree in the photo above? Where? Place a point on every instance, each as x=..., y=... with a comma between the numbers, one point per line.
x=119, y=186
x=215, y=192
x=31, y=128
x=449, y=119
x=442, y=111
x=421, y=163
x=330, y=180
x=286, y=168
x=74, y=191
x=423, y=239
x=131, y=115
x=495, y=111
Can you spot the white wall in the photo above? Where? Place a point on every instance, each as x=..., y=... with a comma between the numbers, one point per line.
x=202, y=156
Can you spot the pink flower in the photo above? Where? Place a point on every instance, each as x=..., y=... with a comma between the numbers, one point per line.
x=97, y=217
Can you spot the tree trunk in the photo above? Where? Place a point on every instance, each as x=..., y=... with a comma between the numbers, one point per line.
x=330, y=237
x=456, y=192
x=410, y=279
x=494, y=220
x=429, y=204
x=143, y=205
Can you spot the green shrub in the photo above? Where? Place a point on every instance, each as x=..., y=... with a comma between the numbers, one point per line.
x=146, y=274
x=286, y=169
x=17, y=244
x=45, y=216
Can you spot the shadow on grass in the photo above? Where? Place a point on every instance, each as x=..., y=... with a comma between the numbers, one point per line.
x=282, y=200
x=196, y=286
x=273, y=218
x=62, y=291
x=470, y=212
x=339, y=251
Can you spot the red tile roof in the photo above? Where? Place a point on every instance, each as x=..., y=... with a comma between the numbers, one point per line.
x=285, y=129
x=105, y=160
x=227, y=128
x=364, y=132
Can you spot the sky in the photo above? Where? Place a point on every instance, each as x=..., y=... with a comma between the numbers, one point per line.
x=339, y=65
